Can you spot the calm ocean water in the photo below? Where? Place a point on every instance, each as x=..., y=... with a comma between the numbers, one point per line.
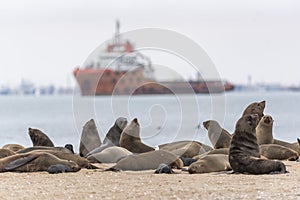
x=163, y=118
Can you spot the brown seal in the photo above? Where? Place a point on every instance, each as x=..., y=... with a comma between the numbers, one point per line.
x=90, y=138
x=112, y=138
x=244, y=155
x=13, y=147
x=29, y=149
x=33, y=162
x=210, y=163
x=255, y=108
x=219, y=137
x=277, y=152
x=39, y=138
x=264, y=134
x=186, y=148
x=147, y=161
x=109, y=155
x=131, y=140
x=81, y=162
x=6, y=152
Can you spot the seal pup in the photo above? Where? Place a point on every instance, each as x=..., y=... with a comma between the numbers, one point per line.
x=277, y=152
x=148, y=161
x=109, y=155
x=264, y=134
x=33, y=162
x=90, y=138
x=13, y=147
x=219, y=137
x=244, y=155
x=185, y=148
x=112, y=137
x=164, y=169
x=131, y=140
x=39, y=138
x=255, y=108
x=210, y=163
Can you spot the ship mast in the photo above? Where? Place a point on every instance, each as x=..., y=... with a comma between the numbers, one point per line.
x=117, y=33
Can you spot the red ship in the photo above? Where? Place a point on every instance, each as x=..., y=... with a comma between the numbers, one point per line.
x=120, y=70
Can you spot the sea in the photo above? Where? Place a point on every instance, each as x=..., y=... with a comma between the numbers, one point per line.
x=162, y=118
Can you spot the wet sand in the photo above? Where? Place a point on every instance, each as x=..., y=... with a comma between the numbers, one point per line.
x=96, y=184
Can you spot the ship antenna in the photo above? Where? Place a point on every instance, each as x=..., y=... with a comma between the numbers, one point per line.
x=117, y=33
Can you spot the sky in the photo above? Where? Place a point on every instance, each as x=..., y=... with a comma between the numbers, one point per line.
x=43, y=41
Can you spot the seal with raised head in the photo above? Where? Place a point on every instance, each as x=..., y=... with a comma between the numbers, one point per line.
x=33, y=162
x=185, y=148
x=112, y=137
x=278, y=152
x=109, y=155
x=13, y=147
x=147, y=161
x=131, y=140
x=219, y=137
x=90, y=138
x=244, y=155
x=210, y=163
x=264, y=134
x=255, y=108
x=39, y=138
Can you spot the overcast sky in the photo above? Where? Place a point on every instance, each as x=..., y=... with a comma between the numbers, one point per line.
x=45, y=40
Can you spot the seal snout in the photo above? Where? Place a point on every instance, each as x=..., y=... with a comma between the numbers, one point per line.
x=135, y=120
x=267, y=119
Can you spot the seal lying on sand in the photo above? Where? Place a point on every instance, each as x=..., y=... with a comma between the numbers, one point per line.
x=219, y=137
x=186, y=148
x=39, y=138
x=210, y=163
x=147, y=161
x=13, y=147
x=255, y=108
x=131, y=140
x=244, y=156
x=33, y=162
x=278, y=152
x=29, y=149
x=264, y=134
x=112, y=138
x=89, y=138
x=109, y=155
x=214, y=151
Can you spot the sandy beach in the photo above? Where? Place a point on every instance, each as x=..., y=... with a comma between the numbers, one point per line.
x=96, y=184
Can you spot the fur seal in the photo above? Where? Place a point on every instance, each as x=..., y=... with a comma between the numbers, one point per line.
x=277, y=152
x=80, y=161
x=131, y=140
x=112, y=138
x=33, y=162
x=210, y=163
x=264, y=134
x=219, y=137
x=13, y=147
x=29, y=149
x=148, y=161
x=6, y=152
x=109, y=155
x=185, y=148
x=244, y=155
x=255, y=108
x=164, y=169
x=39, y=138
x=89, y=138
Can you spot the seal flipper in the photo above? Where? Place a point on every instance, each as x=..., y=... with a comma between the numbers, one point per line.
x=19, y=162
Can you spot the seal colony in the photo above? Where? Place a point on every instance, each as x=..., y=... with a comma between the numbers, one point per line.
x=251, y=149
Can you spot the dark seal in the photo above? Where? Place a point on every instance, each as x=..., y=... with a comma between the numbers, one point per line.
x=244, y=156
x=39, y=138
x=255, y=108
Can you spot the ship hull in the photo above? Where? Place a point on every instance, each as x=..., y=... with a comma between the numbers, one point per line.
x=107, y=82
